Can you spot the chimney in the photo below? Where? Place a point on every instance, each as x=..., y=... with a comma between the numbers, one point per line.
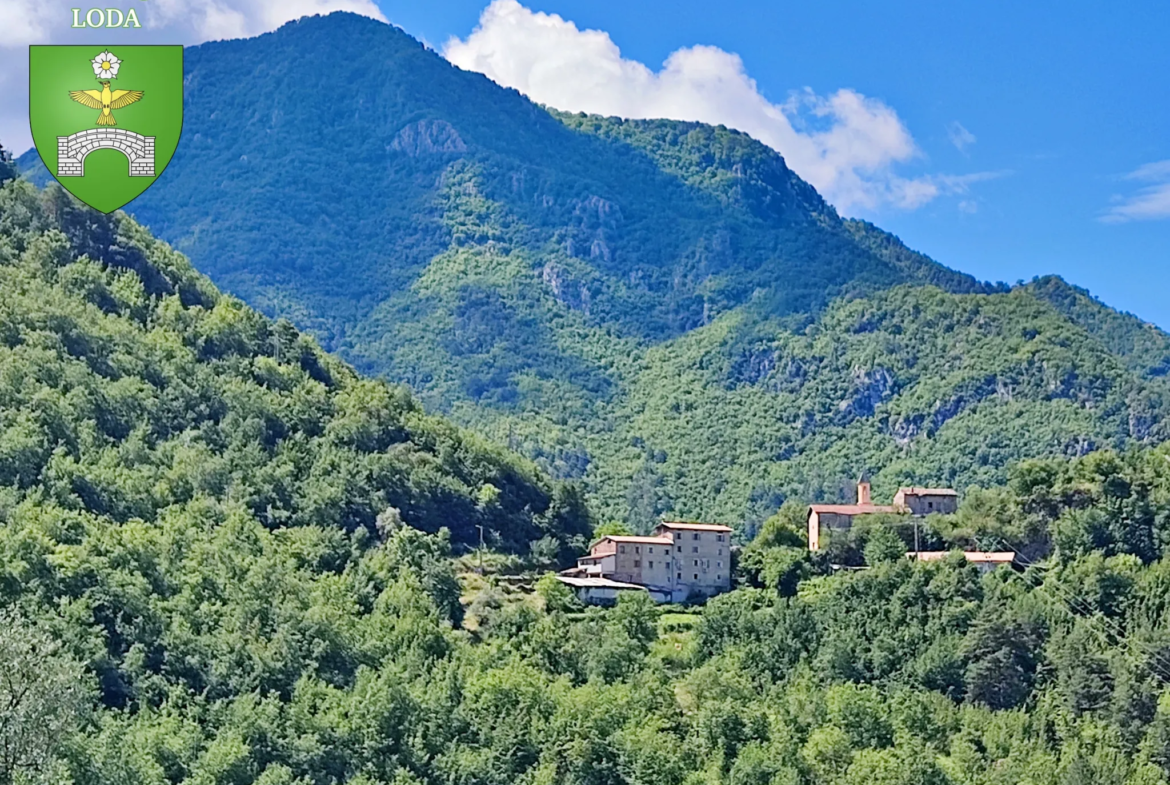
x=863, y=494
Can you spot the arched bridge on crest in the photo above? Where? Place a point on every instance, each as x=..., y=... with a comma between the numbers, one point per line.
x=72, y=150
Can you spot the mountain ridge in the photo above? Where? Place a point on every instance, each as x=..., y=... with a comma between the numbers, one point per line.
x=550, y=278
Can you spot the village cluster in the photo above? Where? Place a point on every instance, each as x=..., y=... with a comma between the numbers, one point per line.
x=684, y=560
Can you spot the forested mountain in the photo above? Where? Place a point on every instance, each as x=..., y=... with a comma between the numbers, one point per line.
x=225, y=559
x=661, y=309
x=132, y=391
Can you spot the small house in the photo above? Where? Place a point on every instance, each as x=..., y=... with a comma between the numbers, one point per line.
x=927, y=501
x=598, y=591
x=986, y=561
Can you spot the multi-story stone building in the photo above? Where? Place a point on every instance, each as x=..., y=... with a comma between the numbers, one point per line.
x=680, y=560
x=642, y=560
x=701, y=558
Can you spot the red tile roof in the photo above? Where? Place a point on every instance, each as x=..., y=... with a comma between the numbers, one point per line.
x=852, y=509
x=636, y=540
x=691, y=526
x=929, y=491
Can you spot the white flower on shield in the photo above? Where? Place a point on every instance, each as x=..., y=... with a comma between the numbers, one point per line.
x=105, y=66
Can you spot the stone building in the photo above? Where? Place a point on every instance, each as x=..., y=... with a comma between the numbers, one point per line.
x=678, y=561
x=701, y=558
x=839, y=517
x=916, y=502
x=925, y=501
x=628, y=559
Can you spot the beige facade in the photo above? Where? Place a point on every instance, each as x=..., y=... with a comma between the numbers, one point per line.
x=827, y=518
x=701, y=558
x=985, y=561
x=927, y=501
x=640, y=560
x=679, y=560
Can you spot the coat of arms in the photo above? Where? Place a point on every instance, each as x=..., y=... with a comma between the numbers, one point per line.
x=106, y=120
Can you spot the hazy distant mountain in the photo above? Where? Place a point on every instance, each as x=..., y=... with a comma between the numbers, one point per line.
x=661, y=308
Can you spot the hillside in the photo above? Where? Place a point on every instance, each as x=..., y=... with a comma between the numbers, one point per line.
x=132, y=391
x=205, y=576
x=661, y=309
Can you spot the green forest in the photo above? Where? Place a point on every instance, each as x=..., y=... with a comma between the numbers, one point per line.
x=662, y=311
x=227, y=559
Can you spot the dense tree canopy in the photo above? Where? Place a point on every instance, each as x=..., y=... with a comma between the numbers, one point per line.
x=225, y=559
x=130, y=389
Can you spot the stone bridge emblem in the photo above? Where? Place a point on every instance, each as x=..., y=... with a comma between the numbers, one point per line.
x=72, y=150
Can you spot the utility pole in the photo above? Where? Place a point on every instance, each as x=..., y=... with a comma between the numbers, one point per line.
x=480, y=527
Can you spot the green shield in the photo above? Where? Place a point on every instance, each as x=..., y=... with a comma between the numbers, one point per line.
x=105, y=119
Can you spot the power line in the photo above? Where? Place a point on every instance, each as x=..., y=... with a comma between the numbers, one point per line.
x=1151, y=660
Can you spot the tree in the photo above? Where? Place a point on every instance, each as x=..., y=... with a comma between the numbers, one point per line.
x=43, y=699
x=545, y=552
x=8, y=169
x=427, y=557
x=1083, y=677
x=612, y=529
x=557, y=596
x=787, y=528
x=1002, y=651
x=1156, y=746
x=883, y=546
x=636, y=615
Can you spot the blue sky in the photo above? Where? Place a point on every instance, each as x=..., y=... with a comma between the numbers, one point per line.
x=1059, y=102
x=1005, y=139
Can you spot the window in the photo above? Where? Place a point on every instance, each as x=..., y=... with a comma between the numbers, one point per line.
x=680, y=549
x=651, y=564
x=621, y=549
x=694, y=535
x=696, y=562
x=637, y=549
x=680, y=576
x=720, y=551
x=930, y=505
x=637, y=562
x=718, y=565
x=719, y=538
x=678, y=535
x=695, y=549
x=696, y=576
x=651, y=549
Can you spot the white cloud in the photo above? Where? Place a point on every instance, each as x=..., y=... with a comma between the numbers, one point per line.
x=1150, y=202
x=846, y=144
x=163, y=22
x=960, y=137
x=924, y=189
